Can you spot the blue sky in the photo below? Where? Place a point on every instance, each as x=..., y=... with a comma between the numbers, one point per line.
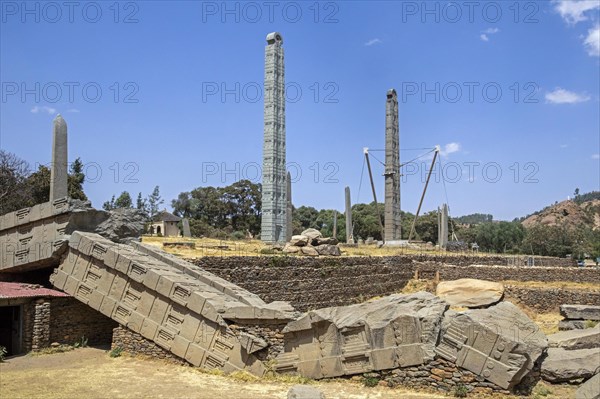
x=168, y=94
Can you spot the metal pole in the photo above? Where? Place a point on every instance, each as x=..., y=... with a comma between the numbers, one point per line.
x=412, y=229
x=366, y=151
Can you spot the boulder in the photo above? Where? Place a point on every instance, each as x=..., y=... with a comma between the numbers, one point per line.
x=304, y=392
x=309, y=251
x=326, y=240
x=563, y=365
x=470, y=292
x=252, y=343
x=387, y=333
x=290, y=249
x=299, y=240
x=312, y=234
x=330, y=250
x=500, y=343
x=580, y=312
x=576, y=339
x=118, y=225
x=590, y=389
x=565, y=325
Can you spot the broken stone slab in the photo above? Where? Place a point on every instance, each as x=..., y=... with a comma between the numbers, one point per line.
x=390, y=332
x=563, y=365
x=312, y=234
x=304, y=392
x=252, y=343
x=590, y=389
x=580, y=312
x=309, y=251
x=576, y=339
x=470, y=292
x=329, y=250
x=326, y=240
x=290, y=249
x=500, y=343
x=566, y=325
x=299, y=240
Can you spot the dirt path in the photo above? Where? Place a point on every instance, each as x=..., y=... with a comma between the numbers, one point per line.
x=90, y=373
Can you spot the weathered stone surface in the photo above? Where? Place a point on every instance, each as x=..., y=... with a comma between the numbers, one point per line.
x=59, y=187
x=580, y=312
x=576, y=339
x=566, y=325
x=563, y=365
x=304, y=392
x=312, y=234
x=330, y=250
x=290, y=249
x=252, y=343
x=395, y=331
x=310, y=251
x=299, y=240
x=470, y=292
x=500, y=343
x=590, y=389
x=326, y=240
x=185, y=223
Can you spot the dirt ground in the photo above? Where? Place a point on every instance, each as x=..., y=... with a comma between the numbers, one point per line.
x=90, y=373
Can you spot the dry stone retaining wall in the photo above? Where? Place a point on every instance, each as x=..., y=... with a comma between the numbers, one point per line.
x=72, y=320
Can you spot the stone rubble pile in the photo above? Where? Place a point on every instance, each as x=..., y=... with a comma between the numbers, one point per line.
x=312, y=243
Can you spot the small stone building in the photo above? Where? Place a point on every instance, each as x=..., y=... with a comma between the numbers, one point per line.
x=165, y=224
x=32, y=317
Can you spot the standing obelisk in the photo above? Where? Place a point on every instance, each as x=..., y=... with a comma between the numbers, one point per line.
x=274, y=185
x=58, y=172
x=349, y=232
x=289, y=208
x=392, y=168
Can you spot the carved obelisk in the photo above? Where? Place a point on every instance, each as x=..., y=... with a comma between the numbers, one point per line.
x=349, y=233
x=59, y=187
x=274, y=187
x=392, y=168
x=289, y=209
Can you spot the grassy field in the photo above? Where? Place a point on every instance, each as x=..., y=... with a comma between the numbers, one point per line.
x=215, y=247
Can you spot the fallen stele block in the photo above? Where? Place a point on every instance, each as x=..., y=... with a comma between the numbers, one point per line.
x=576, y=339
x=563, y=365
x=580, y=312
x=470, y=292
x=499, y=343
x=590, y=389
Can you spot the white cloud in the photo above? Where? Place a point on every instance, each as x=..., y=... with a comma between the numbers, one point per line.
x=489, y=31
x=595, y=156
x=73, y=110
x=372, y=42
x=573, y=11
x=562, y=96
x=37, y=109
x=450, y=148
x=592, y=41
x=563, y=146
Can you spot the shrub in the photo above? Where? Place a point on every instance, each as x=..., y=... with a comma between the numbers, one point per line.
x=461, y=391
x=116, y=351
x=591, y=323
x=3, y=353
x=370, y=380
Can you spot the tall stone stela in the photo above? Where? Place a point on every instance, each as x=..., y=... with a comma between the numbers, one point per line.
x=289, y=224
x=274, y=185
x=349, y=232
x=443, y=226
x=392, y=168
x=59, y=187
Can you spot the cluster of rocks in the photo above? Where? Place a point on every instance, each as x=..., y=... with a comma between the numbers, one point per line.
x=574, y=355
x=577, y=317
x=312, y=243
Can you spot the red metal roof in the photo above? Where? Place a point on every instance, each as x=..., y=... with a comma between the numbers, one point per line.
x=25, y=290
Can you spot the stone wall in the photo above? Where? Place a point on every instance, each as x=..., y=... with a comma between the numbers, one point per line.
x=133, y=343
x=71, y=320
x=544, y=300
x=312, y=283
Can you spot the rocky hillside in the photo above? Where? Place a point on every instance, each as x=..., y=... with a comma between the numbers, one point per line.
x=568, y=213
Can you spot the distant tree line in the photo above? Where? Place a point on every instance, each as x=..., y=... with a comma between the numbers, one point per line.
x=22, y=188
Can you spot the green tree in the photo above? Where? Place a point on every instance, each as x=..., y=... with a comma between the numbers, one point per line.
x=109, y=205
x=141, y=204
x=14, y=191
x=124, y=201
x=76, y=179
x=154, y=203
